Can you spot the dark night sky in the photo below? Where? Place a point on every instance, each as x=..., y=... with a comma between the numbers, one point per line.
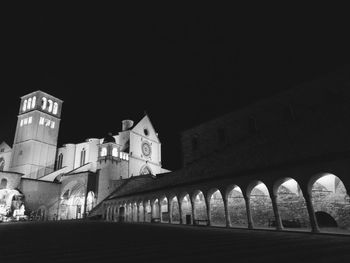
x=180, y=68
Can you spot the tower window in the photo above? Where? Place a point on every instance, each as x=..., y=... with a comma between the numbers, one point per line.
x=104, y=151
x=2, y=163
x=43, y=103
x=50, y=105
x=30, y=120
x=60, y=161
x=115, y=152
x=47, y=122
x=25, y=121
x=52, y=124
x=41, y=121
x=55, y=108
x=33, y=102
x=82, y=157
x=29, y=103
x=21, y=123
x=24, y=105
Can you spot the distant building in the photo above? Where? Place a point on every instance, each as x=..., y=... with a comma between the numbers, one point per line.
x=67, y=182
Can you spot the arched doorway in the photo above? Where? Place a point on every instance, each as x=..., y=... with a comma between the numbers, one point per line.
x=186, y=210
x=237, y=208
x=330, y=201
x=175, y=212
x=148, y=211
x=141, y=212
x=121, y=214
x=164, y=215
x=134, y=212
x=156, y=211
x=291, y=205
x=217, y=208
x=261, y=206
x=90, y=201
x=200, y=209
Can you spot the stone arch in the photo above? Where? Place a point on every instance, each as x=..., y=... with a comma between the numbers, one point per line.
x=130, y=211
x=2, y=163
x=164, y=213
x=134, y=212
x=90, y=201
x=329, y=195
x=216, y=208
x=121, y=214
x=325, y=220
x=199, y=207
x=146, y=170
x=41, y=213
x=148, y=211
x=72, y=200
x=186, y=209
x=141, y=211
x=115, y=212
x=174, y=210
x=3, y=183
x=291, y=204
x=236, y=206
x=155, y=210
x=260, y=205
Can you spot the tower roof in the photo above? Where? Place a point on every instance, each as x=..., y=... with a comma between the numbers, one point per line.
x=109, y=138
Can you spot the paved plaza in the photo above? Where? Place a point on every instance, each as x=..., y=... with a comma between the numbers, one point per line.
x=89, y=241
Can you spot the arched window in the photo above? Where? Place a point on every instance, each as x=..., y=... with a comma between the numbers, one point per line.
x=90, y=201
x=104, y=151
x=55, y=108
x=50, y=105
x=60, y=161
x=33, y=102
x=146, y=170
x=43, y=103
x=29, y=103
x=3, y=183
x=82, y=157
x=24, y=105
x=2, y=163
x=115, y=152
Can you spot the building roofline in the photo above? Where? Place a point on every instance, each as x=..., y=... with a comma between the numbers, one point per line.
x=34, y=92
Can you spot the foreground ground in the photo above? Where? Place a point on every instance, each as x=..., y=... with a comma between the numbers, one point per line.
x=74, y=241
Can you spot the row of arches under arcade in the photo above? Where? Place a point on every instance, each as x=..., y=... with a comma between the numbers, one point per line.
x=323, y=207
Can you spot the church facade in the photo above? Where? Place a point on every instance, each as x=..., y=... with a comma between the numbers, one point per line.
x=66, y=182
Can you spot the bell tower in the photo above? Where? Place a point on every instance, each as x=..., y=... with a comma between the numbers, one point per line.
x=35, y=143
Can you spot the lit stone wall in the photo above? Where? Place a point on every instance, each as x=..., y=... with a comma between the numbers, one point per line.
x=13, y=179
x=41, y=194
x=291, y=126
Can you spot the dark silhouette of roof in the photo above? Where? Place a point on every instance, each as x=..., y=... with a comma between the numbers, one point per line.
x=109, y=138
